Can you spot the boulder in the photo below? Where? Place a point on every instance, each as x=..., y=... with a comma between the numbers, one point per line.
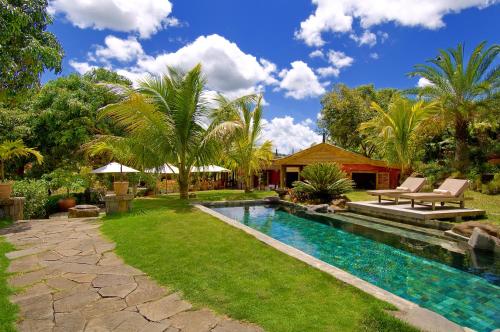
x=320, y=208
x=272, y=199
x=482, y=240
x=466, y=228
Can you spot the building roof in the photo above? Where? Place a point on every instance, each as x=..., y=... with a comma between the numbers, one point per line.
x=326, y=152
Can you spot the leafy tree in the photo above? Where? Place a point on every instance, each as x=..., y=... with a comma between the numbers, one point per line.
x=464, y=88
x=164, y=122
x=26, y=48
x=323, y=181
x=240, y=121
x=395, y=130
x=344, y=109
x=67, y=109
x=15, y=149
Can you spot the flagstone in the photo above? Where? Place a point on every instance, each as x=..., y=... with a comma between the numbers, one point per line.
x=103, y=307
x=61, y=283
x=35, y=325
x=80, y=277
x=110, y=259
x=36, y=290
x=24, y=264
x=147, y=290
x=39, y=307
x=155, y=327
x=164, y=307
x=228, y=325
x=104, y=280
x=120, y=291
x=76, y=301
x=66, y=322
x=195, y=321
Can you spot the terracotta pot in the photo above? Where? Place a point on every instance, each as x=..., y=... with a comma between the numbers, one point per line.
x=120, y=187
x=65, y=204
x=5, y=189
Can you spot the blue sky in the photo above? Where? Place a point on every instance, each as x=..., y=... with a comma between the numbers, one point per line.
x=265, y=45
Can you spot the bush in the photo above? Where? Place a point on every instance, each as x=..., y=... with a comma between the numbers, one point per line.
x=322, y=182
x=36, y=194
x=492, y=187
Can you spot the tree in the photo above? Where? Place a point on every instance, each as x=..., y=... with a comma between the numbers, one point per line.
x=323, y=181
x=344, y=109
x=164, y=120
x=395, y=130
x=464, y=88
x=26, y=48
x=240, y=121
x=66, y=117
x=15, y=149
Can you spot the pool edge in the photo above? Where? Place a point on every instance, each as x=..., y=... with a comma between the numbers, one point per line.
x=409, y=312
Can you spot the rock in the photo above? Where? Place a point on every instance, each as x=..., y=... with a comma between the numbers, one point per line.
x=35, y=325
x=466, y=228
x=69, y=322
x=107, y=280
x=118, y=290
x=147, y=290
x=340, y=203
x=272, y=199
x=482, y=240
x=320, y=208
x=83, y=211
x=76, y=301
x=195, y=321
x=163, y=308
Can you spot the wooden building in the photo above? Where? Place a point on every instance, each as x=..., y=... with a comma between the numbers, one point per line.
x=365, y=172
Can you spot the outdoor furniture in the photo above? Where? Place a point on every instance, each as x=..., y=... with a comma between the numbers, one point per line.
x=410, y=185
x=452, y=191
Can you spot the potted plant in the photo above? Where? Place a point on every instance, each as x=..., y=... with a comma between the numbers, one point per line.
x=69, y=182
x=8, y=151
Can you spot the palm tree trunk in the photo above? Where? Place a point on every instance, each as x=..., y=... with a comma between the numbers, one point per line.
x=461, y=145
x=247, y=183
x=2, y=171
x=183, y=180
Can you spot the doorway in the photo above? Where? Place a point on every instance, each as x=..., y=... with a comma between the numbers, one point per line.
x=365, y=180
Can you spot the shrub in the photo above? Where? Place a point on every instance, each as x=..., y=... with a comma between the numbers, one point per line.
x=322, y=182
x=36, y=194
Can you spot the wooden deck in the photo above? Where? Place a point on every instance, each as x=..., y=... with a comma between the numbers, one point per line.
x=420, y=215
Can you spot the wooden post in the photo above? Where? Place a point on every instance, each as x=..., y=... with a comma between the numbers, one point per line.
x=282, y=176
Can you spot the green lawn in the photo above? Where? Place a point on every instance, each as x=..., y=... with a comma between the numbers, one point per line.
x=489, y=203
x=8, y=311
x=229, y=271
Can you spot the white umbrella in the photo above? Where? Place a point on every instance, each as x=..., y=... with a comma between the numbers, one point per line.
x=114, y=168
x=165, y=169
x=210, y=169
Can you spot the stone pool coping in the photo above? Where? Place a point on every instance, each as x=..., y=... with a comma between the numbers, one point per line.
x=408, y=311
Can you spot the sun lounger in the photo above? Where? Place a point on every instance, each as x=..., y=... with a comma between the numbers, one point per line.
x=452, y=190
x=410, y=185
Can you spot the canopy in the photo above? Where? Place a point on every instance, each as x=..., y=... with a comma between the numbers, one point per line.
x=165, y=169
x=210, y=169
x=114, y=168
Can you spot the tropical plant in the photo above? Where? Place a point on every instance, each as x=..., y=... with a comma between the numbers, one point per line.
x=27, y=47
x=35, y=193
x=15, y=149
x=240, y=122
x=464, y=88
x=395, y=130
x=67, y=180
x=323, y=182
x=164, y=120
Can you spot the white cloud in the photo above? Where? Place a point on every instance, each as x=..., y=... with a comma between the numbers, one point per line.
x=143, y=16
x=367, y=38
x=317, y=54
x=339, y=59
x=383, y=36
x=374, y=55
x=280, y=130
x=300, y=82
x=81, y=67
x=328, y=71
x=423, y=82
x=124, y=50
x=338, y=15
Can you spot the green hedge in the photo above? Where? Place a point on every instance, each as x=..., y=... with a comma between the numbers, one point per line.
x=36, y=194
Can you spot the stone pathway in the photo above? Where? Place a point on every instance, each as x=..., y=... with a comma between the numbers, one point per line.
x=70, y=280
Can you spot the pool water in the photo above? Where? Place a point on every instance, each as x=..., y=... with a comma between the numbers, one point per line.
x=462, y=297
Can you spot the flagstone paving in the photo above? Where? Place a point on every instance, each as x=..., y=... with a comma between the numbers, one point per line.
x=69, y=279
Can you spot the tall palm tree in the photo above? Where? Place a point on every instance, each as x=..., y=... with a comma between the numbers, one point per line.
x=395, y=129
x=165, y=122
x=465, y=88
x=239, y=123
x=15, y=149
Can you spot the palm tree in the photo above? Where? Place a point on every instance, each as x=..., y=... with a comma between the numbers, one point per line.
x=395, y=130
x=15, y=149
x=239, y=123
x=464, y=88
x=165, y=122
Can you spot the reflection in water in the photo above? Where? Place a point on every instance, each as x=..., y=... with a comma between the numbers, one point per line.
x=378, y=257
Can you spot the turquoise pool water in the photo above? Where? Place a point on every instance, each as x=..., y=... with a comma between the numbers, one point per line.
x=461, y=297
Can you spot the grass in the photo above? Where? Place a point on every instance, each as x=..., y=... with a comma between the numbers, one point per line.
x=229, y=271
x=489, y=203
x=8, y=311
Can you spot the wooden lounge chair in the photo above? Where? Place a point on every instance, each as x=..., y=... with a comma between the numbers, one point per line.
x=452, y=190
x=410, y=185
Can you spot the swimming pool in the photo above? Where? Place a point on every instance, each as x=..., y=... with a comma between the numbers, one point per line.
x=462, y=297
